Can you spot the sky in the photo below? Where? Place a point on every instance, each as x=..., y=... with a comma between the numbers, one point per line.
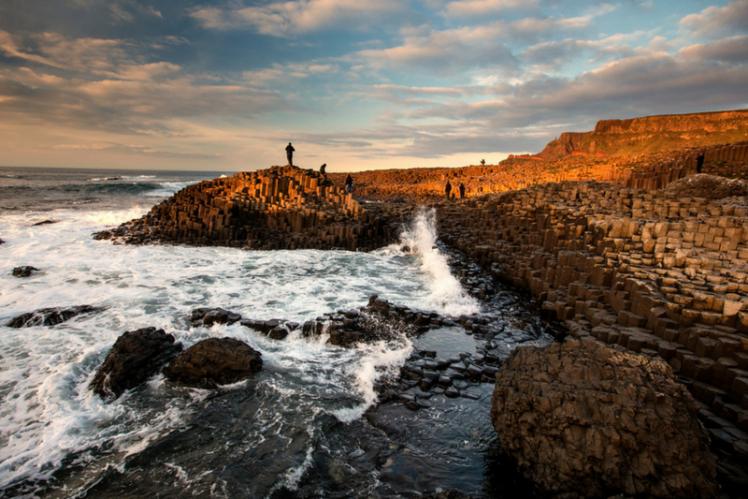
x=226, y=84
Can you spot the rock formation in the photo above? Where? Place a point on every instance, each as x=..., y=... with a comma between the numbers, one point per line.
x=278, y=208
x=24, y=271
x=652, y=271
x=134, y=357
x=51, y=316
x=209, y=316
x=214, y=361
x=586, y=420
x=652, y=134
x=646, y=152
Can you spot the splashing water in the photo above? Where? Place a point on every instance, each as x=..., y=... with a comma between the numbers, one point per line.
x=446, y=291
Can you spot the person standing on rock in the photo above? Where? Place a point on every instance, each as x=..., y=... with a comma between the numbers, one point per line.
x=462, y=190
x=448, y=189
x=289, y=153
x=322, y=169
x=349, y=184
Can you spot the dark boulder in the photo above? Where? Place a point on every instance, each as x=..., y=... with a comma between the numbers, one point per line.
x=24, y=271
x=210, y=316
x=51, y=316
x=583, y=419
x=135, y=357
x=215, y=361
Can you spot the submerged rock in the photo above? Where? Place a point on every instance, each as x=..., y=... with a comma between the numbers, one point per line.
x=24, y=271
x=210, y=316
x=584, y=419
x=44, y=222
x=134, y=357
x=215, y=361
x=51, y=316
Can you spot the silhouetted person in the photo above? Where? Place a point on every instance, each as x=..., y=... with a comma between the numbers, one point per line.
x=289, y=153
x=349, y=184
x=322, y=169
x=462, y=190
x=448, y=189
x=700, y=163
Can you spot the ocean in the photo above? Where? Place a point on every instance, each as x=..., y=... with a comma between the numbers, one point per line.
x=309, y=424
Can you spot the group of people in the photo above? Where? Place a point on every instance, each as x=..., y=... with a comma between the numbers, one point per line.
x=322, y=169
x=448, y=190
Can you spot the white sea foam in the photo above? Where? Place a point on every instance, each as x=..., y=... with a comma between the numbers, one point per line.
x=446, y=292
x=47, y=412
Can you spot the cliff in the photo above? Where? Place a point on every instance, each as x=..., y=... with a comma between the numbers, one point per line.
x=651, y=134
x=278, y=208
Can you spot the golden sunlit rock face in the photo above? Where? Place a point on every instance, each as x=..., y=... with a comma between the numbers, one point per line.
x=278, y=208
x=645, y=152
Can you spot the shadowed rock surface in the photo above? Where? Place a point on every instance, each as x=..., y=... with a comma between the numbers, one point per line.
x=134, y=357
x=278, y=208
x=24, y=271
x=210, y=316
x=51, y=316
x=214, y=361
x=584, y=419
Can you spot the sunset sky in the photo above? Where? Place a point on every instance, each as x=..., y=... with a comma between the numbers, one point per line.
x=224, y=85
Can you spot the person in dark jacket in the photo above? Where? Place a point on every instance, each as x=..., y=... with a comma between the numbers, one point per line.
x=289, y=153
x=322, y=169
x=349, y=184
x=462, y=190
x=448, y=189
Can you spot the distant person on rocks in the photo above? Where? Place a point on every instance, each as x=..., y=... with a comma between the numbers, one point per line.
x=448, y=189
x=322, y=169
x=462, y=190
x=289, y=153
x=349, y=184
x=700, y=163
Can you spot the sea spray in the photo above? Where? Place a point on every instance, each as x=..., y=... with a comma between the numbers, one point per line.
x=447, y=294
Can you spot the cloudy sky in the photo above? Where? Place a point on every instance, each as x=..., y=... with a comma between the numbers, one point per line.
x=225, y=84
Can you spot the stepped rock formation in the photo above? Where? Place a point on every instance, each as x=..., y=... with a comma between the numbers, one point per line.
x=653, y=271
x=586, y=420
x=278, y=208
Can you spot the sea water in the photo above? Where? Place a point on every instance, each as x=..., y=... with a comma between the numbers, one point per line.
x=57, y=437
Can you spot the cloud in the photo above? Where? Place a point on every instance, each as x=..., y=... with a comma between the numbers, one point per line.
x=693, y=79
x=288, y=18
x=127, y=11
x=475, y=8
x=731, y=50
x=714, y=21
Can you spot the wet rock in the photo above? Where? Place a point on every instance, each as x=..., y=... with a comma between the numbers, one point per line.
x=134, y=357
x=262, y=326
x=209, y=316
x=451, y=392
x=51, y=316
x=44, y=222
x=278, y=332
x=214, y=361
x=24, y=271
x=584, y=419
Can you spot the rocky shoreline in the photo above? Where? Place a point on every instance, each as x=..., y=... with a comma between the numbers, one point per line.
x=641, y=269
